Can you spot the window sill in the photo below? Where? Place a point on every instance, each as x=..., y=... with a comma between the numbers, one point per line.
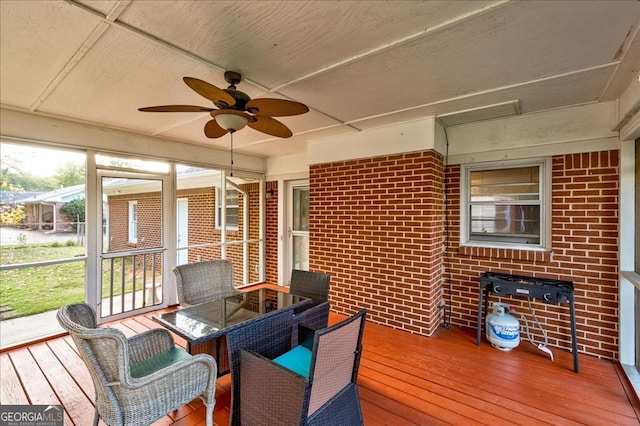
x=537, y=255
x=229, y=230
x=633, y=376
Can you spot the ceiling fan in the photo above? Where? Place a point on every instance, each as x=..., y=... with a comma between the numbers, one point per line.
x=235, y=109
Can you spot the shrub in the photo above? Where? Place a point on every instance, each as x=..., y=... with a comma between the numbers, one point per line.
x=12, y=216
x=74, y=210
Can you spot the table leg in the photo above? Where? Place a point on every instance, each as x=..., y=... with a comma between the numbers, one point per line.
x=480, y=306
x=574, y=338
x=262, y=300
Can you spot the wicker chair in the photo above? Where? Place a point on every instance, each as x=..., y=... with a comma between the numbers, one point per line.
x=323, y=392
x=204, y=281
x=139, y=379
x=313, y=285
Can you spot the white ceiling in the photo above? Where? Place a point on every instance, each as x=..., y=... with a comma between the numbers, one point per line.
x=356, y=64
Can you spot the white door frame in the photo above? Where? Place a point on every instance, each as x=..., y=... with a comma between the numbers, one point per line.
x=287, y=235
x=182, y=230
x=168, y=229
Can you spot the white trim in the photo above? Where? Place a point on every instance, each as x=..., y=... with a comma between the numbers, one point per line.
x=132, y=221
x=545, y=203
x=221, y=205
x=31, y=127
x=628, y=280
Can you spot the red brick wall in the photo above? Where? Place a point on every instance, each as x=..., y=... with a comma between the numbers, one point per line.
x=377, y=228
x=201, y=223
x=271, y=235
x=584, y=250
x=149, y=221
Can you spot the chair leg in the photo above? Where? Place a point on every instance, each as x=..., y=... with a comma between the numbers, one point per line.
x=209, y=408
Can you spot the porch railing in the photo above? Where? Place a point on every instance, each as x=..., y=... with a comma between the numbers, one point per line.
x=131, y=280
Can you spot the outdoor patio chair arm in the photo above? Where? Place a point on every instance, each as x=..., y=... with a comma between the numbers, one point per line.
x=141, y=400
x=149, y=343
x=180, y=373
x=286, y=396
x=306, y=336
x=316, y=318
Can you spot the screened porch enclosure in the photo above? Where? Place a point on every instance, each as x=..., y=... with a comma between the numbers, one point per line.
x=216, y=217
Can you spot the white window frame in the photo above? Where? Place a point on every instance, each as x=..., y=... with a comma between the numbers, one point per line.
x=545, y=203
x=219, y=205
x=133, y=221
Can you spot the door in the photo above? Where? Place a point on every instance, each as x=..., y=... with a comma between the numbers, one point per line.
x=298, y=224
x=182, y=226
x=132, y=244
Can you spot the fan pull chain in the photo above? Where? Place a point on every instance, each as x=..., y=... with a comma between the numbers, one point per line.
x=231, y=172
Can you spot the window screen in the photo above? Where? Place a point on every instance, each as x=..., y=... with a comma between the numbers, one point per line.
x=505, y=205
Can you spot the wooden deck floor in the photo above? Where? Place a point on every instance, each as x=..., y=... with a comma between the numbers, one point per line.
x=404, y=380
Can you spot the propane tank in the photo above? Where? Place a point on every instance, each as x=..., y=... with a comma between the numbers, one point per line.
x=503, y=329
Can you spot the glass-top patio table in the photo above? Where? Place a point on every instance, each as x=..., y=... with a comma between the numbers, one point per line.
x=205, y=326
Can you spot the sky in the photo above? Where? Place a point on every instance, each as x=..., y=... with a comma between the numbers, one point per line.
x=41, y=162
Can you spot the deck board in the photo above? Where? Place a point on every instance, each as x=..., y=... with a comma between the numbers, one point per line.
x=36, y=386
x=404, y=379
x=66, y=388
x=11, y=392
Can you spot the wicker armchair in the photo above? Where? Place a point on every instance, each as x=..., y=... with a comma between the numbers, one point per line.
x=313, y=285
x=140, y=379
x=204, y=281
x=322, y=391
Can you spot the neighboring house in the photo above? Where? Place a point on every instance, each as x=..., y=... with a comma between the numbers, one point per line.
x=133, y=217
x=10, y=198
x=43, y=209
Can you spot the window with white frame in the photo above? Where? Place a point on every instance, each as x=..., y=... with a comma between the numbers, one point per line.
x=232, y=208
x=506, y=204
x=133, y=221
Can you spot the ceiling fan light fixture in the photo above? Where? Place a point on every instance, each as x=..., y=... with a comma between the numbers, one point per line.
x=236, y=109
x=231, y=122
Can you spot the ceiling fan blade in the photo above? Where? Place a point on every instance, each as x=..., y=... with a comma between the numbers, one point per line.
x=270, y=126
x=209, y=91
x=271, y=107
x=175, y=108
x=213, y=130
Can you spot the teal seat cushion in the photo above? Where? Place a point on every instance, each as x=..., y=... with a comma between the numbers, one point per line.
x=297, y=360
x=158, y=362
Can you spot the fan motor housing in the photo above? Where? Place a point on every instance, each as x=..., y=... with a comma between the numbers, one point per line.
x=240, y=97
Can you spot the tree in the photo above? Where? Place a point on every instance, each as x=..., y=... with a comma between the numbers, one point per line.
x=70, y=174
x=74, y=209
x=15, y=178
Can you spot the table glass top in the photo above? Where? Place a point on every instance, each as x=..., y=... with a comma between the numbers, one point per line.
x=213, y=319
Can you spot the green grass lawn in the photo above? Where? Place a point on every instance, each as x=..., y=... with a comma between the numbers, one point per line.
x=34, y=290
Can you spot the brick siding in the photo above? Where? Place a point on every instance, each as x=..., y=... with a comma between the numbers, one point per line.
x=584, y=250
x=271, y=234
x=377, y=228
